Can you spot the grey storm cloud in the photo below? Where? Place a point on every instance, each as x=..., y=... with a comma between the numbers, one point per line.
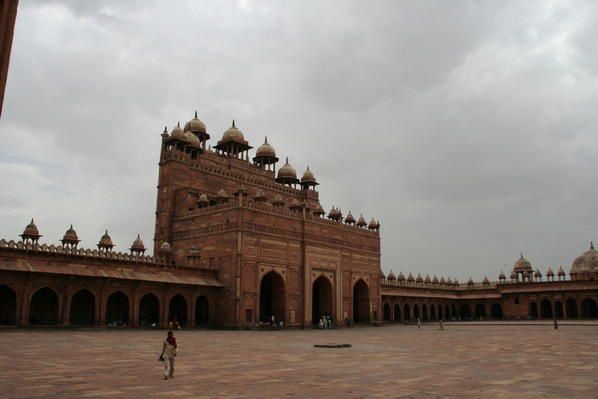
x=468, y=128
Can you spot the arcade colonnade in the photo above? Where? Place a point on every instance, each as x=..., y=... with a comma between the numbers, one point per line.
x=404, y=309
x=96, y=303
x=564, y=307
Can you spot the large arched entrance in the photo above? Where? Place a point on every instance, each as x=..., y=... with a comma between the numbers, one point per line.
x=8, y=305
x=533, y=310
x=545, y=309
x=321, y=299
x=177, y=310
x=480, y=311
x=416, y=311
x=361, y=302
x=406, y=312
x=496, y=311
x=464, y=313
x=397, y=311
x=386, y=312
x=202, y=311
x=83, y=308
x=43, y=309
x=432, y=312
x=149, y=311
x=572, y=309
x=589, y=310
x=117, y=309
x=272, y=297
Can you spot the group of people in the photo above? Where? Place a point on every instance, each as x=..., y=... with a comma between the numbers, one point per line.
x=325, y=322
x=440, y=325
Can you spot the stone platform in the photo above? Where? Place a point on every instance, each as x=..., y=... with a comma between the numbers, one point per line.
x=464, y=360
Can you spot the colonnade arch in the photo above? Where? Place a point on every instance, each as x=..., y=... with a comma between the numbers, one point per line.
x=117, y=309
x=589, y=309
x=177, y=310
x=571, y=308
x=321, y=299
x=8, y=305
x=83, y=305
x=202, y=311
x=386, y=312
x=545, y=309
x=43, y=308
x=149, y=310
x=272, y=297
x=361, y=302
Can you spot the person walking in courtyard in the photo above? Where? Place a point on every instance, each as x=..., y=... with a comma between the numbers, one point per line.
x=419, y=323
x=441, y=326
x=169, y=350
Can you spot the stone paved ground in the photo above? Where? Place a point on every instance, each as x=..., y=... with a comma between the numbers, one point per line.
x=465, y=360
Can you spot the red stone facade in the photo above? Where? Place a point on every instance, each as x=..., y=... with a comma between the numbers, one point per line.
x=8, y=15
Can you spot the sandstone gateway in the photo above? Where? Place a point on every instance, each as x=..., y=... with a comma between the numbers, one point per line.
x=238, y=241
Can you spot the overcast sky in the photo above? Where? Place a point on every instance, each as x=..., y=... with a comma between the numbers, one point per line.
x=469, y=129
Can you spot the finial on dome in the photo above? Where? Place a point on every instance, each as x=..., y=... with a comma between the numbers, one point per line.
x=265, y=139
x=166, y=129
x=591, y=244
x=196, y=114
x=178, y=124
x=521, y=255
x=234, y=123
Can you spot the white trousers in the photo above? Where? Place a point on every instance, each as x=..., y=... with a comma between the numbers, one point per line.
x=168, y=366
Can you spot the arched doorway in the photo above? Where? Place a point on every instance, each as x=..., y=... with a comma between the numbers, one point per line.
x=454, y=311
x=202, y=311
x=589, y=310
x=117, y=309
x=406, y=312
x=558, y=309
x=386, y=312
x=43, y=309
x=447, y=312
x=464, y=313
x=572, y=308
x=397, y=310
x=83, y=308
x=432, y=312
x=440, y=312
x=177, y=310
x=149, y=311
x=533, y=310
x=480, y=311
x=416, y=311
x=361, y=302
x=321, y=304
x=496, y=311
x=8, y=305
x=424, y=312
x=272, y=297
x=545, y=309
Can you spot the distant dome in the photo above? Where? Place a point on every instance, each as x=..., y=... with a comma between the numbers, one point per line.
x=587, y=262
x=410, y=277
x=502, y=276
x=165, y=247
x=549, y=272
x=195, y=125
x=319, y=210
x=522, y=265
x=287, y=171
x=427, y=279
x=419, y=278
x=372, y=225
x=308, y=178
x=31, y=231
x=561, y=272
x=138, y=245
x=435, y=280
x=233, y=134
x=203, y=199
x=191, y=138
x=361, y=222
x=70, y=237
x=537, y=274
x=470, y=281
x=177, y=133
x=265, y=150
x=105, y=241
x=221, y=195
x=485, y=281
x=401, y=276
x=350, y=219
x=391, y=276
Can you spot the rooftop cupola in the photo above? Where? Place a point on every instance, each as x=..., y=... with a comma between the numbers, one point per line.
x=308, y=180
x=361, y=222
x=197, y=128
x=319, y=211
x=265, y=156
x=105, y=243
x=233, y=143
x=31, y=233
x=287, y=174
x=137, y=247
x=350, y=219
x=70, y=238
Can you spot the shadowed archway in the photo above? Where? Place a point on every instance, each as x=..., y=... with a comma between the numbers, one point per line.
x=117, y=309
x=386, y=311
x=202, y=311
x=272, y=297
x=533, y=310
x=589, y=309
x=322, y=297
x=361, y=302
x=480, y=311
x=397, y=311
x=406, y=312
x=545, y=309
x=177, y=310
x=558, y=310
x=464, y=313
x=8, y=305
x=43, y=309
x=149, y=310
x=572, y=309
x=83, y=306
x=496, y=311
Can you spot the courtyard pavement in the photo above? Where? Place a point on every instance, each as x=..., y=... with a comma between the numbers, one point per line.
x=397, y=361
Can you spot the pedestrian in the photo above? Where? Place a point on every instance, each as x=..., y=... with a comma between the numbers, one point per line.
x=273, y=321
x=556, y=324
x=169, y=350
x=419, y=323
x=441, y=326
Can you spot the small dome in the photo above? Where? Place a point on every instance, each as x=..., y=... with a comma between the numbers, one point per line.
x=233, y=135
x=165, y=247
x=449, y=281
x=537, y=274
x=401, y=277
x=319, y=211
x=455, y=281
x=278, y=200
x=350, y=219
x=361, y=222
x=295, y=204
x=203, y=199
x=287, y=171
x=485, y=281
x=410, y=278
x=587, y=262
x=138, y=245
x=470, y=281
x=105, y=241
x=391, y=276
x=419, y=278
x=265, y=150
x=31, y=231
x=177, y=133
x=427, y=279
x=513, y=275
x=70, y=237
x=442, y=280
x=221, y=195
x=195, y=125
x=549, y=272
x=372, y=225
x=308, y=177
x=561, y=272
x=435, y=280
x=260, y=196
x=502, y=276
x=522, y=265
x=191, y=138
